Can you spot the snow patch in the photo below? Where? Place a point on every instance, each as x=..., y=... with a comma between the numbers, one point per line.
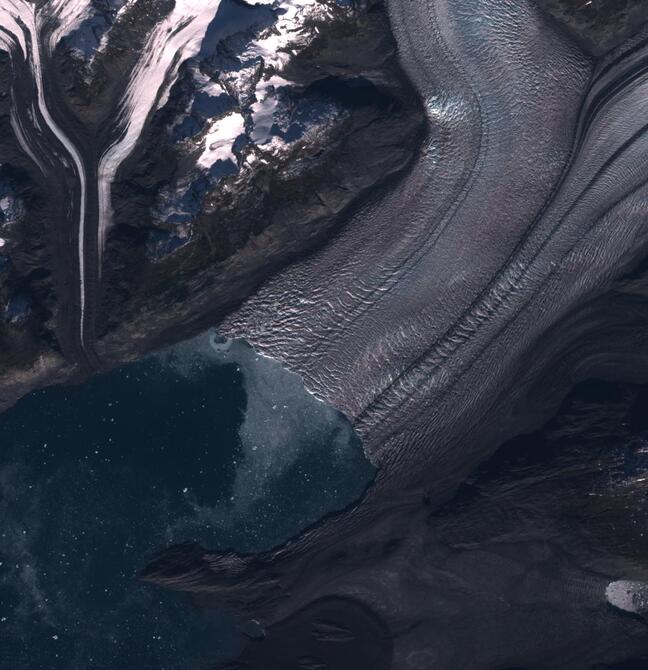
x=175, y=39
x=263, y=110
x=69, y=14
x=220, y=139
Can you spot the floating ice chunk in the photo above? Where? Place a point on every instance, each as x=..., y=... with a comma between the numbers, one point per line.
x=628, y=596
x=220, y=139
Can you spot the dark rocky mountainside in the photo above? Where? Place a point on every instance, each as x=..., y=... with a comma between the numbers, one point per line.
x=485, y=251
x=599, y=25
x=283, y=118
x=345, y=123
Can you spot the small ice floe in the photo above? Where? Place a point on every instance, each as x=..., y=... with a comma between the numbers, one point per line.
x=2, y=242
x=628, y=596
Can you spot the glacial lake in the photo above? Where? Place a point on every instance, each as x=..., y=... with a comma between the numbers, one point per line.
x=205, y=442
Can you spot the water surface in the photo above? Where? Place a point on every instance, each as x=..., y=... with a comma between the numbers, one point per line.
x=205, y=442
